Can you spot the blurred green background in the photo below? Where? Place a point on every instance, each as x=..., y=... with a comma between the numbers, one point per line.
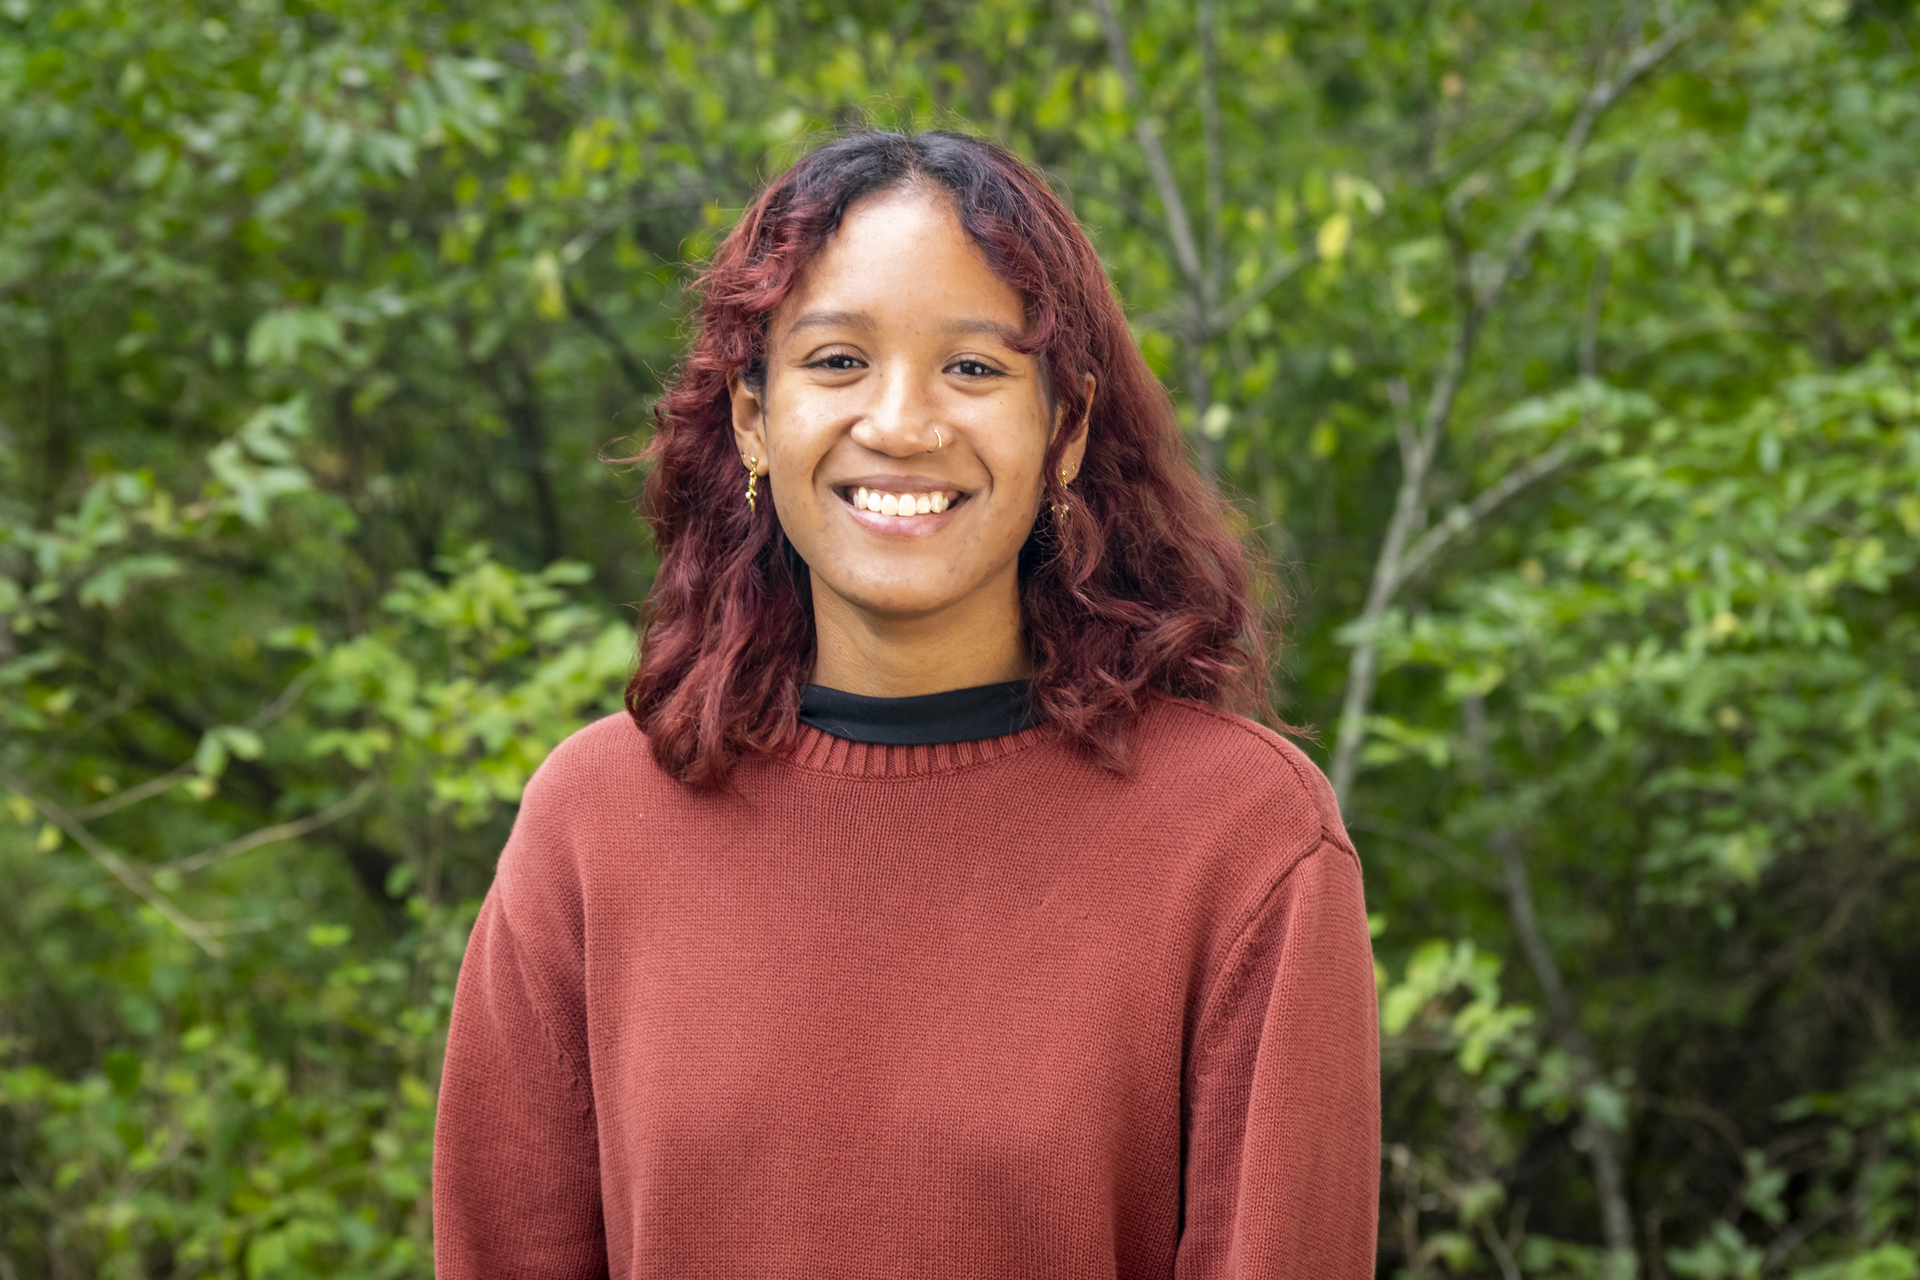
x=1560, y=358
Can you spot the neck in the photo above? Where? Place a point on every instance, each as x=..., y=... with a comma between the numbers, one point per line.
x=970, y=643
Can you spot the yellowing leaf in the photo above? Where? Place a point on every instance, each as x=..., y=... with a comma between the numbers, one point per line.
x=550, y=298
x=1335, y=234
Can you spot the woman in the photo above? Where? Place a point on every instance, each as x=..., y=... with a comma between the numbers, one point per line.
x=930, y=914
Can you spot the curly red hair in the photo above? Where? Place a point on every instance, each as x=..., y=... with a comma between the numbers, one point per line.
x=1140, y=590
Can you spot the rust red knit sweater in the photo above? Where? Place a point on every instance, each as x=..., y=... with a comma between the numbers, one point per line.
x=974, y=1010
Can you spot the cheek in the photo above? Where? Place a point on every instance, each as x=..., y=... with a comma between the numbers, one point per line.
x=1014, y=446
x=800, y=429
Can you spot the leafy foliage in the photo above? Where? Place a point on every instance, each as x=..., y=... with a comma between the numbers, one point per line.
x=1564, y=357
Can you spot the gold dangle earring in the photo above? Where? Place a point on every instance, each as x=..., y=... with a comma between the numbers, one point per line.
x=1060, y=509
x=753, y=479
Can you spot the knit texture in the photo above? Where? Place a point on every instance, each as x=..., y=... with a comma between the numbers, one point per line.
x=977, y=1009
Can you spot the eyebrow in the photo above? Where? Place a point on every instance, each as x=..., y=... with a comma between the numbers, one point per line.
x=831, y=320
x=1005, y=332
x=863, y=320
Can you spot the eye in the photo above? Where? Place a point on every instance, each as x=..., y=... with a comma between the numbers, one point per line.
x=975, y=369
x=838, y=362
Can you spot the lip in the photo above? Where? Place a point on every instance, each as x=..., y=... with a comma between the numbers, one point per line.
x=900, y=526
x=898, y=484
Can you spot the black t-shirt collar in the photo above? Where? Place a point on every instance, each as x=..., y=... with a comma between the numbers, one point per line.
x=959, y=715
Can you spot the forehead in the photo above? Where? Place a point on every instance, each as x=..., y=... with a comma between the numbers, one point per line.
x=901, y=258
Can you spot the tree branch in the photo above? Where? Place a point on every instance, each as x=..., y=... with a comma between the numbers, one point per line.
x=1200, y=393
x=1421, y=838
x=1603, y=1143
x=260, y=719
x=1146, y=127
x=135, y=794
x=1472, y=156
x=1463, y=518
x=121, y=871
x=1477, y=300
x=596, y=324
x=1202, y=289
x=1589, y=352
x=1502, y=1252
x=519, y=398
x=1210, y=134
x=278, y=832
x=1398, y=563
x=1228, y=314
x=1416, y=453
x=1566, y=170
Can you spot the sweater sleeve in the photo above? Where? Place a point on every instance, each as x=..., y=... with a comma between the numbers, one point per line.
x=516, y=1168
x=1283, y=1153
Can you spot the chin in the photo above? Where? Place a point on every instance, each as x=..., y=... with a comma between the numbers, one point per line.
x=899, y=591
x=902, y=605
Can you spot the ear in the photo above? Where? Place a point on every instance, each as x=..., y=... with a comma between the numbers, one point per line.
x=1076, y=449
x=749, y=422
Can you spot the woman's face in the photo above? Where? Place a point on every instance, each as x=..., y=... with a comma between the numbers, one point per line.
x=902, y=434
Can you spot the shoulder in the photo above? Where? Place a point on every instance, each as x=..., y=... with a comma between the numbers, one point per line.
x=610, y=752
x=603, y=775
x=1230, y=766
x=1264, y=855
x=588, y=795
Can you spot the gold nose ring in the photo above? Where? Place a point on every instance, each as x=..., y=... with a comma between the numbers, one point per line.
x=938, y=443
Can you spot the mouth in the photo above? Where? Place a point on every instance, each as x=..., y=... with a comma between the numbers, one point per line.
x=905, y=502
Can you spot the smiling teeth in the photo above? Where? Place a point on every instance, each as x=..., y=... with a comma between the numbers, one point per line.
x=900, y=504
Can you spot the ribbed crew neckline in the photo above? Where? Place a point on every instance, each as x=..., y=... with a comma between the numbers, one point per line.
x=979, y=725
x=819, y=752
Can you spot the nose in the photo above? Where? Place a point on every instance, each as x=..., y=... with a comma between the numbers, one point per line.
x=904, y=417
